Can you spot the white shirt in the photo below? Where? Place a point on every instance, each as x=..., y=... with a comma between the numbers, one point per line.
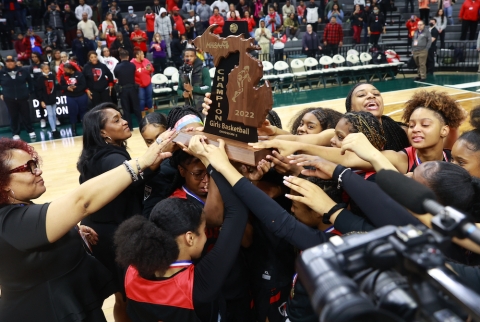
x=193, y=20
x=89, y=29
x=81, y=9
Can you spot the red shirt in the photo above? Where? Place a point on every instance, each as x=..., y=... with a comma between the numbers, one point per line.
x=150, y=19
x=412, y=26
x=140, y=44
x=469, y=10
x=178, y=21
x=143, y=77
x=251, y=23
x=300, y=11
x=170, y=4
x=110, y=39
x=218, y=20
x=333, y=33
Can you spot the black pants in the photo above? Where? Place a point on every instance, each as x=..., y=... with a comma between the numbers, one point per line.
x=159, y=64
x=331, y=50
x=278, y=54
x=100, y=97
x=130, y=104
x=441, y=35
x=411, y=2
x=468, y=25
x=374, y=39
x=424, y=13
x=6, y=40
x=431, y=60
x=19, y=112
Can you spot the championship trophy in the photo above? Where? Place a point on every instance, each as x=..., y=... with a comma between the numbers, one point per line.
x=239, y=105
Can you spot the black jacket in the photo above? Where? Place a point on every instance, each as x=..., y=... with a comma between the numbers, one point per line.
x=98, y=76
x=76, y=79
x=69, y=20
x=117, y=45
x=125, y=73
x=16, y=83
x=46, y=89
x=176, y=47
x=81, y=48
x=310, y=41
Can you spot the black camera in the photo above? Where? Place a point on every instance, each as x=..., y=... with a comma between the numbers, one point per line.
x=389, y=274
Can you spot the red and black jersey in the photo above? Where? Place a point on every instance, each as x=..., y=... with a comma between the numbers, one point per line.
x=167, y=299
x=414, y=161
x=75, y=79
x=46, y=89
x=98, y=76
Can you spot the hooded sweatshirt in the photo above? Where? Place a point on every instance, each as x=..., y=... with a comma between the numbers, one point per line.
x=98, y=76
x=142, y=75
x=163, y=25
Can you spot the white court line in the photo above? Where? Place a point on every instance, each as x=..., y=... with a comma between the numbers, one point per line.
x=463, y=85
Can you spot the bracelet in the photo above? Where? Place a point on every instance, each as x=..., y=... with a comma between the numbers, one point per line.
x=340, y=177
x=130, y=171
x=140, y=172
x=326, y=216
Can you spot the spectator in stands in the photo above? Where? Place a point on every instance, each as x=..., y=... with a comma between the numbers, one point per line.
x=121, y=43
x=361, y=3
x=81, y=9
x=81, y=46
x=55, y=63
x=35, y=10
x=287, y=10
x=310, y=42
x=70, y=24
x=139, y=39
x=231, y=8
x=424, y=6
x=222, y=6
x=412, y=5
x=125, y=28
x=149, y=18
x=158, y=48
x=278, y=10
x=55, y=20
x=376, y=26
x=65, y=60
x=143, y=74
x=448, y=8
x=263, y=36
x=357, y=24
x=50, y=38
x=469, y=18
x=88, y=27
x=441, y=25
x=16, y=86
x=116, y=15
x=232, y=16
x=337, y=13
x=278, y=39
x=199, y=81
x=21, y=48
x=243, y=7
x=177, y=49
x=6, y=32
x=111, y=62
x=15, y=13
x=157, y=7
x=332, y=37
x=132, y=18
x=272, y=20
x=313, y=15
x=97, y=10
x=48, y=54
x=178, y=21
x=411, y=25
x=251, y=23
x=163, y=26
x=46, y=93
x=189, y=5
x=433, y=48
x=329, y=6
x=74, y=85
x=204, y=11
x=108, y=24
x=99, y=80
x=292, y=29
x=301, y=11
x=193, y=25
x=366, y=13
x=32, y=42
x=110, y=37
x=218, y=20
x=422, y=40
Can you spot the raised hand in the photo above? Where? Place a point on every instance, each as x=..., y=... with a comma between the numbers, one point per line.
x=255, y=173
x=155, y=153
x=282, y=165
x=310, y=194
x=206, y=104
x=208, y=153
x=360, y=145
x=284, y=147
x=323, y=169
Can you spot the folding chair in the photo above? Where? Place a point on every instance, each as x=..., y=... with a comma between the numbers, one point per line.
x=314, y=74
x=161, y=91
x=299, y=73
x=328, y=72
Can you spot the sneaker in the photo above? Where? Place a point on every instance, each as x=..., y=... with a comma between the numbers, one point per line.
x=56, y=134
x=16, y=137
x=32, y=135
x=43, y=123
x=417, y=78
x=294, y=38
x=57, y=122
x=288, y=39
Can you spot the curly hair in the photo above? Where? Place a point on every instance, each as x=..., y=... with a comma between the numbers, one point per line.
x=441, y=103
x=366, y=123
x=178, y=112
x=150, y=244
x=327, y=117
x=6, y=147
x=179, y=158
x=472, y=137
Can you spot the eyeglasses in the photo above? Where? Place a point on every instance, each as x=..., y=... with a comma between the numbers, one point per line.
x=197, y=176
x=31, y=166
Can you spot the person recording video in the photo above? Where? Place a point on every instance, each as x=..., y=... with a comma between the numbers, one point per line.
x=194, y=79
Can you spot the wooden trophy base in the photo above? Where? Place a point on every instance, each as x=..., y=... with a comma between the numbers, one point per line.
x=236, y=151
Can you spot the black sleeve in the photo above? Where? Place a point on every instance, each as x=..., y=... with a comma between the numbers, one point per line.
x=347, y=222
x=112, y=161
x=380, y=209
x=471, y=274
x=82, y=83
x=24, y=227
x=108, y=73
x=63, y=84
x=39, y=89
x=275, y=218
x=212, y=270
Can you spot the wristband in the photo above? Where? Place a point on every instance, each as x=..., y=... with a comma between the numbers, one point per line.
x=130, y=171
x=140, y=172
x=340, y=177
x=326, y=216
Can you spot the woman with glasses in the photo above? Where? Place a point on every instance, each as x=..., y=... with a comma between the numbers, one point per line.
x=105, y=133
x=45, y=271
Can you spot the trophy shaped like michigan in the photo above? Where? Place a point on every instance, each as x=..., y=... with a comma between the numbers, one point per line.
x=248, y=103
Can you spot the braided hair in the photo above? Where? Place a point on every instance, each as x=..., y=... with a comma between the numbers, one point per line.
x=180, y=111
x=274, y=119
x=327, y=118
x=366, y=123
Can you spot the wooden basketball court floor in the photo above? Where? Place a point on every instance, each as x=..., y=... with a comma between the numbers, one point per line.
x=60, y=156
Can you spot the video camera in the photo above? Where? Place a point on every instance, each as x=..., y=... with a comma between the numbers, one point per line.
x=392, y=273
